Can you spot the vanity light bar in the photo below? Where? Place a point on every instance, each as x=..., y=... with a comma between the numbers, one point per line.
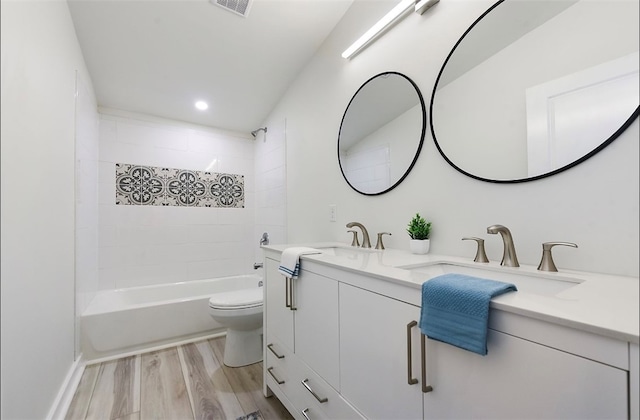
x=423, y=5
x=386, y=21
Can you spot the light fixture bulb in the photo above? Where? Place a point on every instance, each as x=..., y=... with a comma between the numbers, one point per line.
x=386, y=21
x=202, y=105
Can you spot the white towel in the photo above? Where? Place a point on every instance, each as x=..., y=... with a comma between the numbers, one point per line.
x=290, y=260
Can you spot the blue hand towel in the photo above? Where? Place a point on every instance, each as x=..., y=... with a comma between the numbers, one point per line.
x=290, y=260
x=455, y=309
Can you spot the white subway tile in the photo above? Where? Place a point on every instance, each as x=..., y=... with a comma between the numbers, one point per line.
x=108, y=131
x=232, y=216
x=107, y=236
x=107, y=172
x=107, y=277
x=214, y=233
x=108, y=215
x=221, y=268
x=273, y=178
x=106, y=193
x=152, y=136
x=151, y=274
x=119, y=256
x=272, y=160
x=214, y=251
x=204, y=142
x=163, y=254
x=271, y=216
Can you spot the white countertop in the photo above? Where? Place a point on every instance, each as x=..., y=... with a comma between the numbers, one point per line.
x=600, y=303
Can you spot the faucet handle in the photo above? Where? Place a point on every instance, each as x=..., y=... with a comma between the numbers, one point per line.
x=379, y=244
x=481, y=255
x=546, y=263
x=354, y=241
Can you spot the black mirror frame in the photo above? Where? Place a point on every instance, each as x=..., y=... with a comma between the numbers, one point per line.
x=422, y=132
x=604, y=144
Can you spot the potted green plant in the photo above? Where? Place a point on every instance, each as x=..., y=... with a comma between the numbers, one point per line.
x=419, y=230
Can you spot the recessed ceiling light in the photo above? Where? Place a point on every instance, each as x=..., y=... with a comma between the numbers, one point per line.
x=202, y=105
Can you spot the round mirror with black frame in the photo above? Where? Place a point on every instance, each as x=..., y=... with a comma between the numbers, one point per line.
x=535, y=87
x=381, y=133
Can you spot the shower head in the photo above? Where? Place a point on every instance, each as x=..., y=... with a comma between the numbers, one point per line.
x=255, y=132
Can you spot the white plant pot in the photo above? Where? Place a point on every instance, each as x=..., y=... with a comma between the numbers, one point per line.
x=419, y=246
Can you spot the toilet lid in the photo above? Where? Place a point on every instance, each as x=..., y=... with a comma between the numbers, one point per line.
x=237, y=299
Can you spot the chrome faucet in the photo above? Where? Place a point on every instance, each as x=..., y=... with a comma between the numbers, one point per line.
x=366, y=243
x=509, y=258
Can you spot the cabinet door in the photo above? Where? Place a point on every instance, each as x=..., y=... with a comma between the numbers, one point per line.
x=316, y=324
x=374, y=372
x=278, y=317
x=520, y=379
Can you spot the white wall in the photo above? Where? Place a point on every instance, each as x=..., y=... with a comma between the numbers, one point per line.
x=40, y=54
x=144, y=245
x=594, y=204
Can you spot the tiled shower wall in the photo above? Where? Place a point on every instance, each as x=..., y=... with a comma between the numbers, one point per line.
x=145, y=244
x=271, y=188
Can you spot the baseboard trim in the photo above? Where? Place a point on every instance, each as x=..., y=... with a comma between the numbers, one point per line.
x=65, y=395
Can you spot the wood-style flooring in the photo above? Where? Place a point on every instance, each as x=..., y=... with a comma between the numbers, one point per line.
x=178, y=383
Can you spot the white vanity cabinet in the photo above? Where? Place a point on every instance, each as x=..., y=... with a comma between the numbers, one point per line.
x=278, y=315
x=376, y=367
x=301, y=344
x=303, y=317
x=518, y=378
x=355, y=342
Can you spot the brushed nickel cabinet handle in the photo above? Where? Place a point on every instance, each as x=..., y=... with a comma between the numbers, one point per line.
x=291, y=305
x=287, y=296
x=410, y=379
x=304, y=413
x=423, y=351
x=306, y=385
x=279, y=356
x=278, y=381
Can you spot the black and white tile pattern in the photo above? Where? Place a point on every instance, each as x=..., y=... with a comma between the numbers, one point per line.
x=149, y=185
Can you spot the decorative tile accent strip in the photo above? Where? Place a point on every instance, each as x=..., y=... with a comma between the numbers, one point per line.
x=148, y=185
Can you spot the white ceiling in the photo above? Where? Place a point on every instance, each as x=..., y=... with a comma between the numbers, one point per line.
x=158, y=57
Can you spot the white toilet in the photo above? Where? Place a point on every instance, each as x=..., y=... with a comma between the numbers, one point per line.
x=241, y=312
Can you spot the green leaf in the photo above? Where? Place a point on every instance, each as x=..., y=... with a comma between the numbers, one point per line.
x=419, y=228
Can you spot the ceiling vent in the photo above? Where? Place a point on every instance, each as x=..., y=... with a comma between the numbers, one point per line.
x=239, y=7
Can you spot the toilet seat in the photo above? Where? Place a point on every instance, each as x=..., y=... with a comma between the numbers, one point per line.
x=237, y=299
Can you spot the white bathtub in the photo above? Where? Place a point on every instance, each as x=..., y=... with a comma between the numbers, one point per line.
x=124, y=321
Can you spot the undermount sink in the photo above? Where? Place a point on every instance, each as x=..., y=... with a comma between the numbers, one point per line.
x=346, y=251
x=529, y=282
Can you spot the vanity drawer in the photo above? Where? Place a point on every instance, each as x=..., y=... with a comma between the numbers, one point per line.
x=284, y=373
x=322, y=397
x=278, y=367
x=277, y=353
